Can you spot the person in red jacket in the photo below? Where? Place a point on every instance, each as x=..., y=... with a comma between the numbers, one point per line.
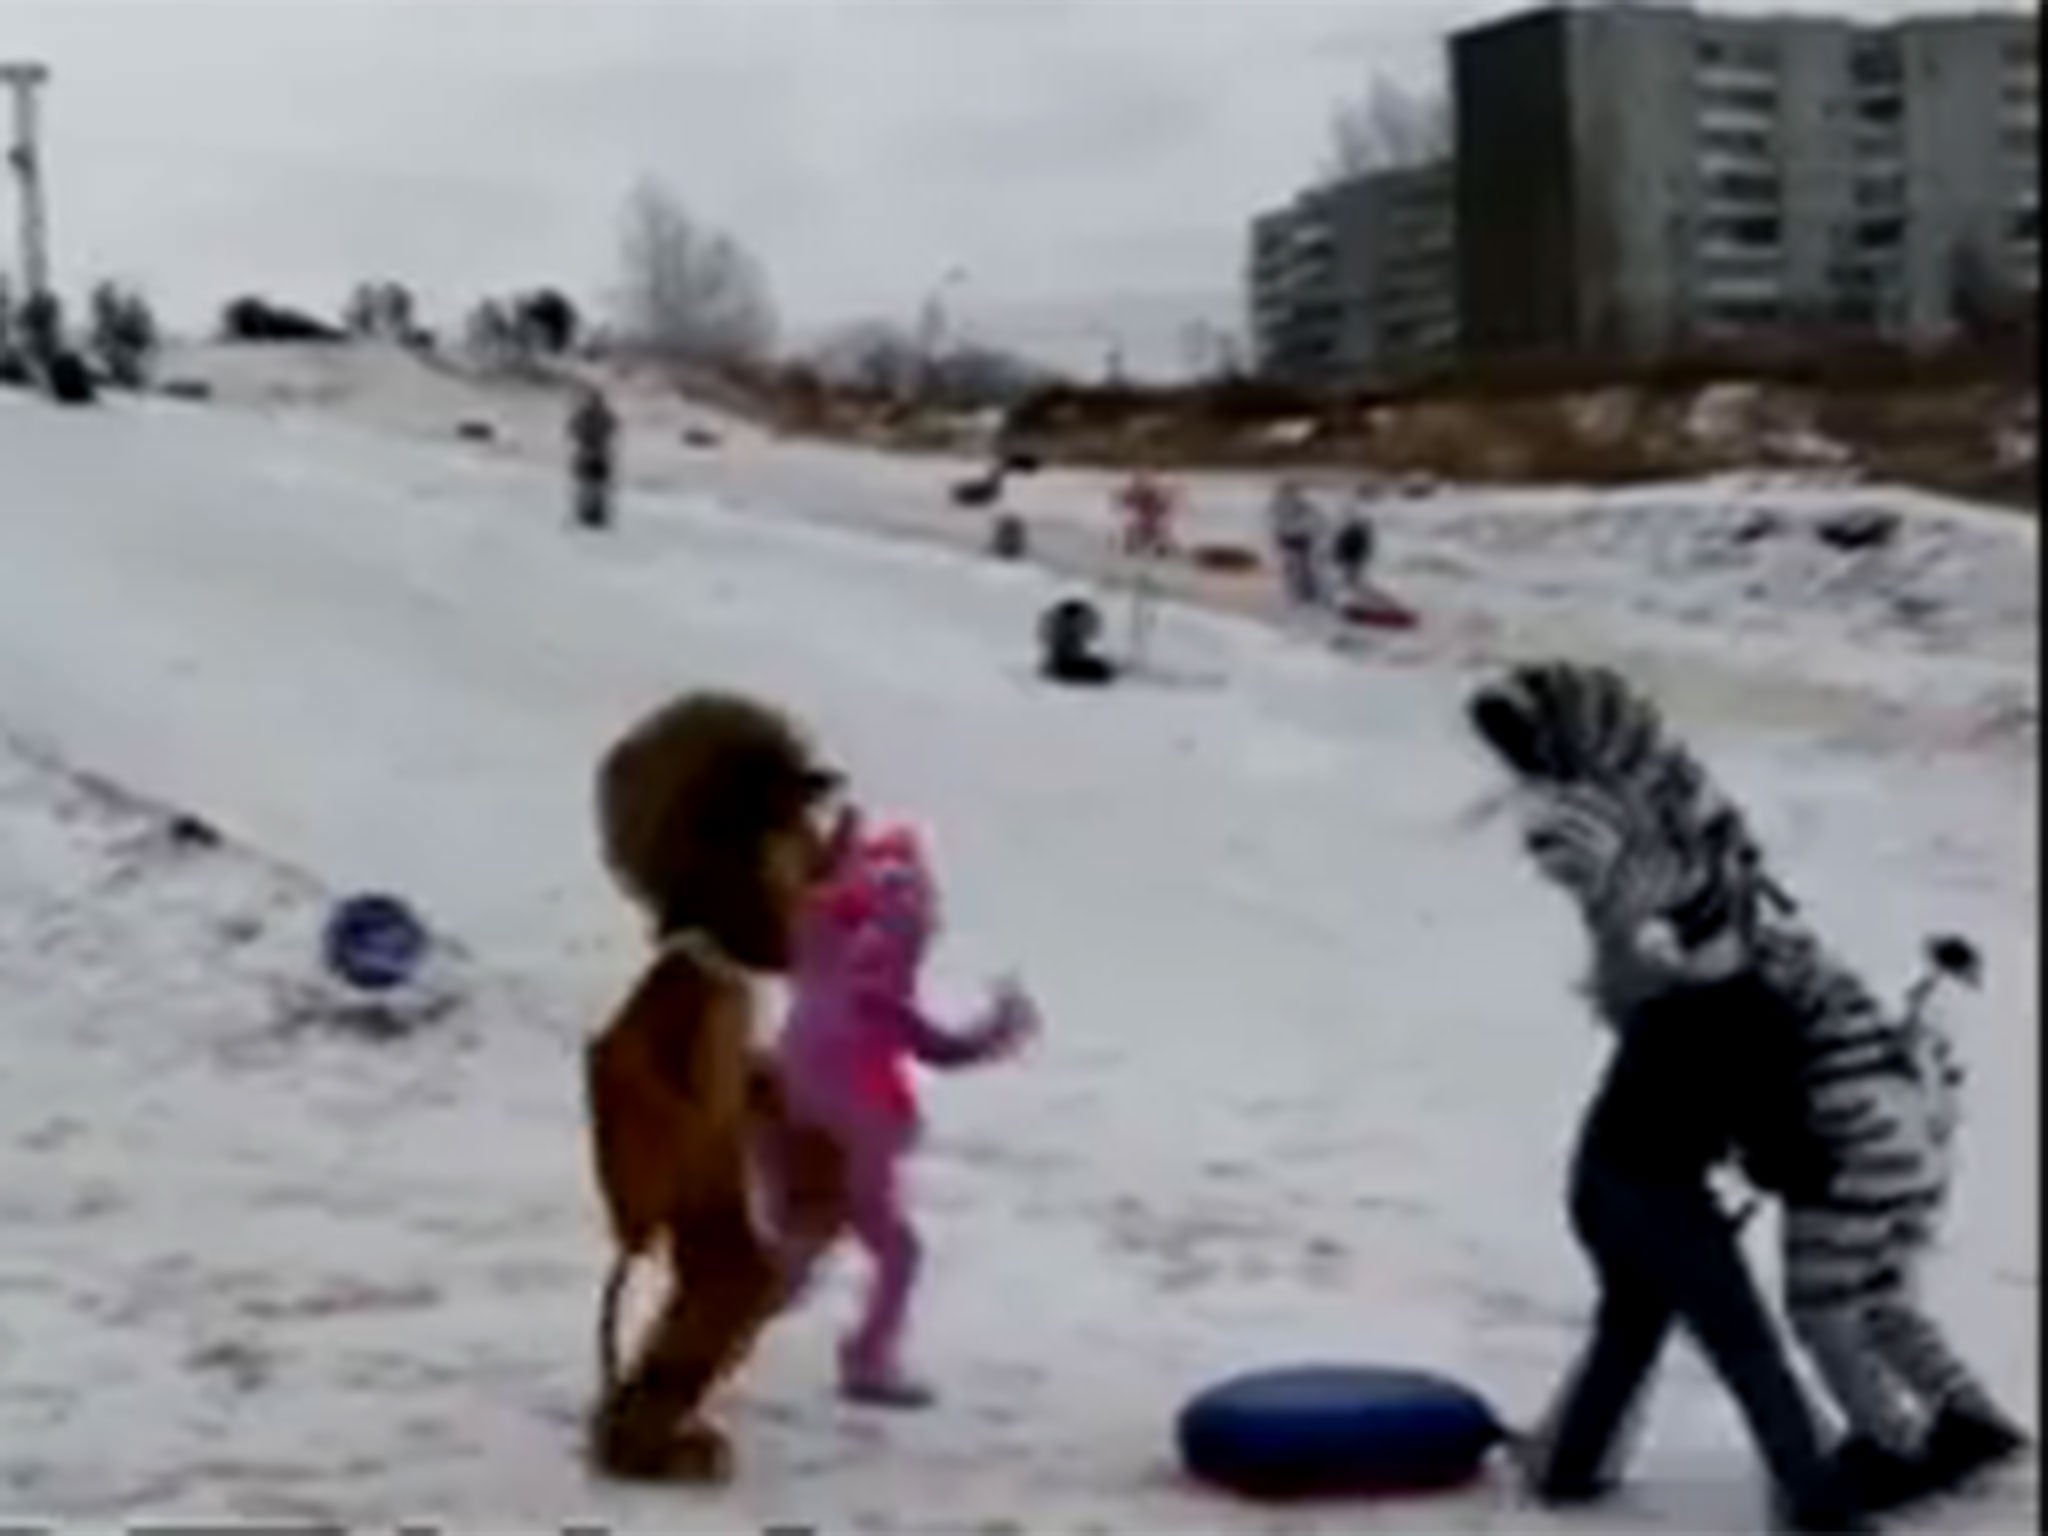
x=1147, y=504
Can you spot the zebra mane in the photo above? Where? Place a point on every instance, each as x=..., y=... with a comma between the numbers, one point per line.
x=1562, y=725
x=1619, y=813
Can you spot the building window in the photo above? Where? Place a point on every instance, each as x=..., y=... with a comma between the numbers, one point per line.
x=1880, y=234
x=1749, y=231
x=1884, y=193
x=1744, y=311
x=2022, y=143
x=1881, y=109
x=1760, y=100
x=2026, y=224
x=1740, y=187
x=1876, y=63
x=1736, y=141
x=1757, y=57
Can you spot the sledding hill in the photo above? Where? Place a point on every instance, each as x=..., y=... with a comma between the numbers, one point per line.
x=1311, y=1061
x=1663, y=577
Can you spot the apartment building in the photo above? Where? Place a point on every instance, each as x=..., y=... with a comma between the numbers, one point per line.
x=1634, y=179
x=1351, y=283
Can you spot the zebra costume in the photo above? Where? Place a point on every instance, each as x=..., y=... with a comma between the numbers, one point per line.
x=1882, y=1092
x=1673, y=890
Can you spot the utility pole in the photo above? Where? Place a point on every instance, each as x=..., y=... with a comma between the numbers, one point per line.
x=931, y=330
x=1113, y=357
x=23, y=80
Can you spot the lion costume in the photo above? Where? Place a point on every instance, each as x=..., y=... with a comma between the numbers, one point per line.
x=705, y=815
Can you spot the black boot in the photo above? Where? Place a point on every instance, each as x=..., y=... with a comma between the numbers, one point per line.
x=1963, y=1443
x=1541, y=1481
x=1832, y=1515
x=1827, y=1506
x=1880, y=1479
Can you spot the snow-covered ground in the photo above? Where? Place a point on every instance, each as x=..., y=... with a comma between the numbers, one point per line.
x=1683, y=582
x=1312, y=1062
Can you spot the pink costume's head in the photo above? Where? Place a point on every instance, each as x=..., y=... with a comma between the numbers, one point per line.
x=880, y=906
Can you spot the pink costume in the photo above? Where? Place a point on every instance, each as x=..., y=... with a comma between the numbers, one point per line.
x=854, y=1028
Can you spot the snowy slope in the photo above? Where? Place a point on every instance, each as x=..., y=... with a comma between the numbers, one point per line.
x=1311, y=1066
x=1716, y=571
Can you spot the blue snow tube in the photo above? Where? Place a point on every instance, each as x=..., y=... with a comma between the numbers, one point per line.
x=374, y=942
x=1312, y=1430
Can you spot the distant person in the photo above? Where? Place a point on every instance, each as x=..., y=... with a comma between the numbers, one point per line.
x=1067, y=636
x=1352, y=549
x=1149, y=508
x=1147, y=505
x=1297, y=525
x=593, y=437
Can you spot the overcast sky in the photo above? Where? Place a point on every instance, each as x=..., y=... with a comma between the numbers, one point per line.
x=1072, y=155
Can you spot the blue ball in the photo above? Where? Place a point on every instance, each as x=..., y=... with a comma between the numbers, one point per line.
x=1310, y=1430
x=374, y=942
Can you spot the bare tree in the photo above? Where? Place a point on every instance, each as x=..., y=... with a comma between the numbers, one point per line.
x=359, y=314
x=1388, y=127
x=1209, y=351
x=383, y=310
x=881, y=357
x=974, y=377
x=693, y=294
x=42, y=327
x=1985, y=304
x=14, y=369
x=876, y=356
x=123, y=335
x=548, y=320
x=396, y=312
x=520, y=330
x=490, y=335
